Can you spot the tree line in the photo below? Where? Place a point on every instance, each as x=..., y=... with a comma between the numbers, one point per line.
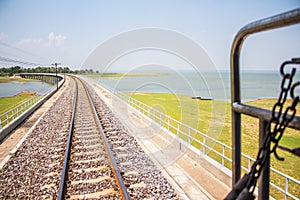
x=10, y=71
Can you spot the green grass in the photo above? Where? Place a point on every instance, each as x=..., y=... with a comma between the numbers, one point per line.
x=7, y=103
x=214, y=119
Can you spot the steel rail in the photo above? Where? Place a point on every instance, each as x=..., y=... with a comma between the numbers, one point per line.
x=64, y=176
x=115, y=169
x=277, y=21
x=119, y=179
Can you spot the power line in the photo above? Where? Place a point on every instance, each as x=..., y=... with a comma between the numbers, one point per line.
x=21, y=50
x=9, y=60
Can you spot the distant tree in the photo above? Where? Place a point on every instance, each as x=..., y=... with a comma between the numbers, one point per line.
x=66, y=70
x=14, y=70
x=10, y=71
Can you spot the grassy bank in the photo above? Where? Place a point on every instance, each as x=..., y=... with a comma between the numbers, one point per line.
x=7, y=103
x=214, y=118
x=6, y=79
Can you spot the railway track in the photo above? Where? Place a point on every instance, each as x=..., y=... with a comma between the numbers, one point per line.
x=90, y=170
x=102, y=159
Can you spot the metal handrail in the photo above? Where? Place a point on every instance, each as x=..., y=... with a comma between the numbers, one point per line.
x=14, y=112
x=277, y=21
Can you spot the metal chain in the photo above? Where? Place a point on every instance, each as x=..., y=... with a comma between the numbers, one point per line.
x=274, y=134
x=244, y=188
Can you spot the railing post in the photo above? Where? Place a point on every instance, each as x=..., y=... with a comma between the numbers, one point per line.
x=286, y=188
x=236, y=119
x=204, y=144
x=223, y=152
x=249, y=164
x=160, y=119
x=189, y=135
x=264, y=180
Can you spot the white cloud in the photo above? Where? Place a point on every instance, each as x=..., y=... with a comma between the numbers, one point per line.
x=52, y=41
x=3, y=36
x=56, y=40
x=51, y=36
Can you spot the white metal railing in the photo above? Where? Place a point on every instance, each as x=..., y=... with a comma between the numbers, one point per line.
x=219, y=152
x=13, y=113
x=16, y=111
x=12, y=118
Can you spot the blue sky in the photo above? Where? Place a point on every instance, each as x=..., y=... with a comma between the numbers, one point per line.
x=68, y=31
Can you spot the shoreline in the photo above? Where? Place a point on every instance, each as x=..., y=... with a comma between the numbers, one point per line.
x=6, y=79
x=10, y=87
x=24, y=92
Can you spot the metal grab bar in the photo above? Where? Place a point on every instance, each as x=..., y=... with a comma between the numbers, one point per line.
x=277, y=21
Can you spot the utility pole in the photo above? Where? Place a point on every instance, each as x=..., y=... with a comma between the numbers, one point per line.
x=56, y=74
